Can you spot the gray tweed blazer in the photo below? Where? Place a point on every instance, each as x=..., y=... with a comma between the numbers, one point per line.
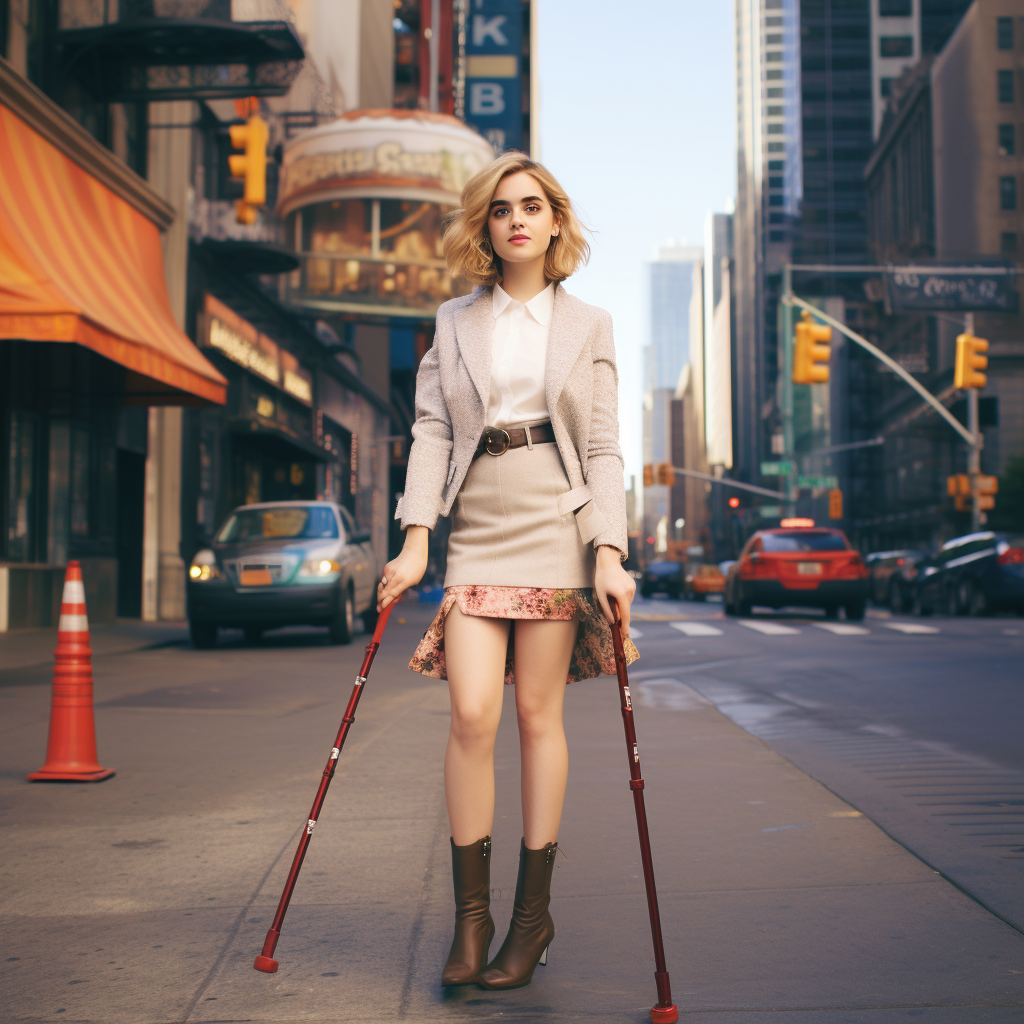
x=581, y=385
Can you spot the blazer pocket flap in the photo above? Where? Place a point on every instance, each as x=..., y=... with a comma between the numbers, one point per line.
x=574, y=499
x=590, y=521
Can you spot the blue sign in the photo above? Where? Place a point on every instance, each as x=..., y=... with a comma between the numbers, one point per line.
x=494, y=44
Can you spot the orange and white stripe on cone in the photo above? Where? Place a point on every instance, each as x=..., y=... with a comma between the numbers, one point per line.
x=73, y=618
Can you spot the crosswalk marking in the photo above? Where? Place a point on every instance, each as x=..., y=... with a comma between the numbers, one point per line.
x=767, y=627
x=696, y=628
x=842, y=628
x=911, y=627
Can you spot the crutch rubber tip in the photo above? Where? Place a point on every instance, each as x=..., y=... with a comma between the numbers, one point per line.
x=268, y=965
x=664, y=1014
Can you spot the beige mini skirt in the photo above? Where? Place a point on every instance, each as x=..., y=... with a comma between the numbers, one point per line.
x=506, y=527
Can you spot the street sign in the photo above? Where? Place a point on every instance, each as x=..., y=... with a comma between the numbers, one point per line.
x=817, y=481
x=919, y=289
x=776, y=468
x=770, y=511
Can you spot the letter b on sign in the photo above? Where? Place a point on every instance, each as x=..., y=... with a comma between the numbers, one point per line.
x=486, y=98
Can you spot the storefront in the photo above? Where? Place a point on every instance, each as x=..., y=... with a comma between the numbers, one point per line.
x=87, y=342
x=297, y=425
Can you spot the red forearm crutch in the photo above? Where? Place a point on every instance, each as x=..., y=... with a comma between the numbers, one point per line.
x=265, y=961
x=666, y=1012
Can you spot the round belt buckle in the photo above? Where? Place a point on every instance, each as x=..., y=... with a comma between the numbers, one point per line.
x=496, y=441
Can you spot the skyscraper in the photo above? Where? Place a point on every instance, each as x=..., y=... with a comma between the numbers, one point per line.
x=671, y=285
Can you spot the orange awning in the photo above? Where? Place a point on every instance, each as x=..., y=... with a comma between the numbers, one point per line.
x=79, y=264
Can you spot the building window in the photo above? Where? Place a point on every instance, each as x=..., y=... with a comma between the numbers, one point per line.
x=775, y=181
x=775, y=111
x=773, y=56
x=775, y=38
x=895, y=8
x=896, y=46
x=1004, y=33
x=1008, y=243
x=776, y=165
x=775, y=93
x=1008, y=193
x=885, y=86
x=775, y=129
x=776, y=147
x=776, y=236
x=1005, y=81
x=1007, y=141
x=775, y=200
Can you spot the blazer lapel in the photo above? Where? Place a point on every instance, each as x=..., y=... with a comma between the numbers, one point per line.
x=565, y=341
x=474, y=326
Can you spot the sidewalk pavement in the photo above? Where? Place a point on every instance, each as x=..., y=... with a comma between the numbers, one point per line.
x=144, y=899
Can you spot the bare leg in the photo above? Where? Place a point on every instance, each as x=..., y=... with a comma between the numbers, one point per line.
x=474, y=649
x=542, y=652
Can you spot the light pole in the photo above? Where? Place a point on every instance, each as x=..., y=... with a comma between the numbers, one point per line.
x=974, y=456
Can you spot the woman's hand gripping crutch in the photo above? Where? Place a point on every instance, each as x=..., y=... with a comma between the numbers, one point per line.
x=665, y=1012
x=265, y=961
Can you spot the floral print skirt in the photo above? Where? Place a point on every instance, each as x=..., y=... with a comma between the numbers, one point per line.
x=592, y=655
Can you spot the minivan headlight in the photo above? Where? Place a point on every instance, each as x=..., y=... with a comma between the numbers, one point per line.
x=319, y=568
x=204, y=566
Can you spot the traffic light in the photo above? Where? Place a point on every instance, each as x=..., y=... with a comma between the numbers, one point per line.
x=734, y=502
x=835, y=503
x=666, y=474
x=811, y=352
x=251, y=166
x=988, y=487
x=958, y=486
x=969, y=362
x=648, y=475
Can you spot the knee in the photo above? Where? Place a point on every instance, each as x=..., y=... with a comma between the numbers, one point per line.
x=538, y=720
x=473, y=723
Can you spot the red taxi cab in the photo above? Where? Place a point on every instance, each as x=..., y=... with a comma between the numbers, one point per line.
x=798, y=564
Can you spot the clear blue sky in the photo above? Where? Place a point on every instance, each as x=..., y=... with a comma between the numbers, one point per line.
x=637, y=114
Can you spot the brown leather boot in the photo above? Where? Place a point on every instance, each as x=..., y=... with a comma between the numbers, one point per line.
x=474, y=927
x=531, y=929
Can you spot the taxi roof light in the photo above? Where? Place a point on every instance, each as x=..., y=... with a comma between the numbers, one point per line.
x=797, y=522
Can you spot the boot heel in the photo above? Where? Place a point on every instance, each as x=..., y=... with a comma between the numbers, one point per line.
x=543, y=961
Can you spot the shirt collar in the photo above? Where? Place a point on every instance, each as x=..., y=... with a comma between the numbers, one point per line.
x=540, y=306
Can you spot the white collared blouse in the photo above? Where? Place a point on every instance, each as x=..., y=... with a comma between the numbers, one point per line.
x=519, y=347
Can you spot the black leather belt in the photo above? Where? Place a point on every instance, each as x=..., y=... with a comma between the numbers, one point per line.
x=496, y=441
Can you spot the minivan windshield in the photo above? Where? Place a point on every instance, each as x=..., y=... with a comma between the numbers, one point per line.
x=803, y=540
x=288, y=522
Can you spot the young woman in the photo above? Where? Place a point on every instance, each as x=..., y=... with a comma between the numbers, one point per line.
x=516, y=436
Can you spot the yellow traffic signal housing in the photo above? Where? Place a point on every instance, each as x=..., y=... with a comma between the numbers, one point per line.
x=958, y=486
x=648, y=475
x=970, y=362
x=250, y=166
x=666, y=475
x=811, y=352
x=988, y=484
x=835, y=503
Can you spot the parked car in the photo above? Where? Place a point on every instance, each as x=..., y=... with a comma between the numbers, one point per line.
x=883, y=566
x=805, y=566
x=975, y=574
x=704, y=580
x=663, y=578
x=283, y=563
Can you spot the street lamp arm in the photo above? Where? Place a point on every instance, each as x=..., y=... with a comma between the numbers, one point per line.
x=792, y=300
x=777, y=495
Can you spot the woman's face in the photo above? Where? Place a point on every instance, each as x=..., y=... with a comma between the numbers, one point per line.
x=521, y=222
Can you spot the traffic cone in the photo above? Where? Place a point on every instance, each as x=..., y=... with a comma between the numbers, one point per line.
x=71, y=749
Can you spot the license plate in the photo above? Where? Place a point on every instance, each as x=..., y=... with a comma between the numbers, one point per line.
x=809, y=568
x=256, y=578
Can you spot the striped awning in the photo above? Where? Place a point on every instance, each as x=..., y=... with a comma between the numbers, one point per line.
x=80, y=264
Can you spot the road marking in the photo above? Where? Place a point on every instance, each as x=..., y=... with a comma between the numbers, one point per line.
x=911, y=627
x=767, y=627
x=842, y=628
x=696, y=628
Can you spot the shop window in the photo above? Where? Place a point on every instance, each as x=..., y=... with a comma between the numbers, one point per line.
x=383, y=252
x=79, y=521
x=1004, y=33
x=1004, y=82
x=895, y=8
x=1007, y=140
x=896, y=46
x=1008, y=193
x=21, y=486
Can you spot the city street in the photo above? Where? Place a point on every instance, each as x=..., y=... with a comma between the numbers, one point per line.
x=803, y=875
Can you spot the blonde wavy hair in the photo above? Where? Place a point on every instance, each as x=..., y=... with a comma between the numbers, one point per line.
x=466, y=242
